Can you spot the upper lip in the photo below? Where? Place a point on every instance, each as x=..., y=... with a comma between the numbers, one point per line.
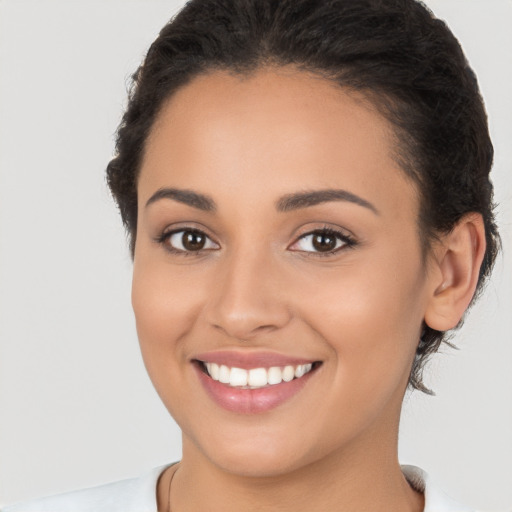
x=248, y=360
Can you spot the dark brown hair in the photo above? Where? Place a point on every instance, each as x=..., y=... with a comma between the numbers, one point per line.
x=406, y=61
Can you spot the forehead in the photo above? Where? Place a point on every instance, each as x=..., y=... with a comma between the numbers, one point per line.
x=273, y=131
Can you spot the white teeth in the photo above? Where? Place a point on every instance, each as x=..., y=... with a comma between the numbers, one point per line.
x=256, y=377
x=214, y=371
x=224, y=374
x=238, y=377
x=275, y=375
x=288, y=373
x=300, y=371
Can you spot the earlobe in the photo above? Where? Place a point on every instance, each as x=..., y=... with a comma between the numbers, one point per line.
x=458, y=258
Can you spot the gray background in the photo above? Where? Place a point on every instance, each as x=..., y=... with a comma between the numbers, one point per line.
x=76, y=406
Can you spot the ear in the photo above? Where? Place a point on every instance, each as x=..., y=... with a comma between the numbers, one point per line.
x=456, y=265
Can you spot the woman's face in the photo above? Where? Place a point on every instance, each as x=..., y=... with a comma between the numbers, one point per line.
x=276, y=230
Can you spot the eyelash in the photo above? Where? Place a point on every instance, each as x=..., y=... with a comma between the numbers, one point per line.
x=347, y=241
x=165, y=237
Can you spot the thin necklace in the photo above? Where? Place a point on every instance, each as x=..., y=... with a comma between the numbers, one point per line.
x=169, y=490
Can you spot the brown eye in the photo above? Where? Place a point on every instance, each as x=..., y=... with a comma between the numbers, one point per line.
x=193, y=241
x=188, y=240
x=324, y=242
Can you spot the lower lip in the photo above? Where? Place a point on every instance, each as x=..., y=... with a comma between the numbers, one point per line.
x=251, y=401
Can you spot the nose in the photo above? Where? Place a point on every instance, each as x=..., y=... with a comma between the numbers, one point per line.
x=249, y=297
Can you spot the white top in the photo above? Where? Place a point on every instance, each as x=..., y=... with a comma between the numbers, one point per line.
x=139, y=495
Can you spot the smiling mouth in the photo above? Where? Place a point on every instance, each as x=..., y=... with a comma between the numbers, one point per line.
x=255, y=378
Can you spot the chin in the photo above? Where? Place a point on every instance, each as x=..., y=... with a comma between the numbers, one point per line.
x=257, y=464
x=259, y=453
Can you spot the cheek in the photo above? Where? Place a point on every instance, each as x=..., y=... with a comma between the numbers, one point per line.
x=370, y=316
x=165, y=307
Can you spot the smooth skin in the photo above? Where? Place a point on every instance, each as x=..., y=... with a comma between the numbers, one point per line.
x=259, y=283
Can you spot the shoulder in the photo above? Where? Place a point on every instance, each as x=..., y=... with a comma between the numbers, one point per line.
x=435, y=499
x=133, y=495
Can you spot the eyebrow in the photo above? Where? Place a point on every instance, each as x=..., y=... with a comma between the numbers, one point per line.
x=311, y=198
x=188, y=197
x=286, y=203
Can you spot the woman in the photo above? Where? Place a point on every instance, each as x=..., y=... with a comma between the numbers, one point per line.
x=305, y=186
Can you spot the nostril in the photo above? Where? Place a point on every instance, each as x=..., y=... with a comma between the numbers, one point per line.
x=244, y=330
x=246, y=303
